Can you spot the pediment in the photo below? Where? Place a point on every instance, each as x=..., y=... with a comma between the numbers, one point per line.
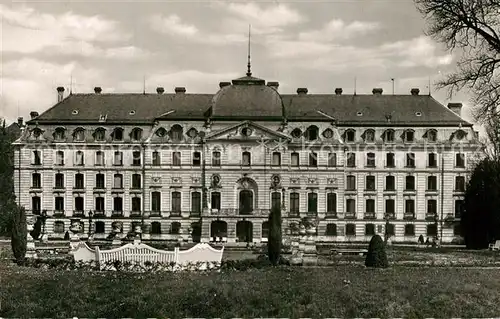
x=246, y=131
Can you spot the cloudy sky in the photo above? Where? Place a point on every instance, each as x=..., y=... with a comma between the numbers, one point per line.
x=320, y=45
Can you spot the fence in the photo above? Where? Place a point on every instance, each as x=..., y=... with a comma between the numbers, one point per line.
x=138, y=252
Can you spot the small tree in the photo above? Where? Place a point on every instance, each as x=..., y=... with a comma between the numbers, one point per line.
x=376, y=257
x=274, y=236
x=19, y=234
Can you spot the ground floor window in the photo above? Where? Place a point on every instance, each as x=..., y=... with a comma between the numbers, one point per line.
x=350, y=230
x=331, y=230
x=409, y=230
x=59, y=227
x=432, y=230
x=369, y=229
x=99, y=227
x=155, y=228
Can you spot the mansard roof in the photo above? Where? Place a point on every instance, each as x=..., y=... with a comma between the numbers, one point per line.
x=256, y=101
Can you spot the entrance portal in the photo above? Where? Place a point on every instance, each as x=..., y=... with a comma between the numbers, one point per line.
x=244, y=231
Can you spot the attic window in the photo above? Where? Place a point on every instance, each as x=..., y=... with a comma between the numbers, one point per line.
x=136, y=134
x=161, y=132
x=132, y=112
x=37, y=133
x=296, y=133
x=359, y=114
x=75, y=112
x=418, y=113
x=192, y=133
x=328, y=133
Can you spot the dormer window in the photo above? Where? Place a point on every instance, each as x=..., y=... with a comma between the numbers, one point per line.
x=311, y=133
x=161, y=132
x=350, y=136
x=117, y=134
x=296, y=133
x=460, y=135
x=431, y=135
x=389, y=136
x=192, y=133
x=328, y=133
x=59, y=134
x=136, y=134
x=36, y=133
x=79, y=135
x=369, y=136
x=176, y=133
x=409, y=136
x=99, y=134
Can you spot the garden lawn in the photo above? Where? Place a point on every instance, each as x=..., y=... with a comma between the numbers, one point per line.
x=269, y=292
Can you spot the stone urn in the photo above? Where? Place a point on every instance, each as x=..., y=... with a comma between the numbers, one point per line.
x=311, y=231
x=302, y=230
x=138, y=230
x=117, y=227
x=75, y=228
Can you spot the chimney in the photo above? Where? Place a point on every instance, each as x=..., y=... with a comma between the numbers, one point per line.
x=160, y=90
x=377, y=91
x=20, y=121
x=180, y=90
x=338, y=91
x=274, y=85
x=224, y=84
x=415, y=91
x=97, y=90
x=302, y=91
x=33, y=114
x=456, y=108
x=60, y=94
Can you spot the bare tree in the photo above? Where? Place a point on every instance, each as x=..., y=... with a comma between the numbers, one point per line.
x=473, y=26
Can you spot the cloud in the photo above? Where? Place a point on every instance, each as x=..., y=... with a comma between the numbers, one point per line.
x=337, y=29
x=172, y=24
x=273, y=16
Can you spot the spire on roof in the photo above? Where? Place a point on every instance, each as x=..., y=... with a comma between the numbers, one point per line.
x=249, y=71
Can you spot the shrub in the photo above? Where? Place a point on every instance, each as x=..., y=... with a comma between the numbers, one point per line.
x=376, y=256
x=274, y=237
x=19, y=234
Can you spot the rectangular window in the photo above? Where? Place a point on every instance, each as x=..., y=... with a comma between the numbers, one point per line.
x=79, y=204
x=313, y=159
x=410, y=159
x=99, y=158
x=196, y=202
x=118, y=160
x=37, y=158
x=432, y=157
x=276, y=200
x=215, y=200
x=351, y=206
x=370, y=183
x=390, y=206
x=294, y=203
x=370, y=159
x=176, y=202
x=136, y=204
x=136, y=181
x=276, y=161
x=370, y=206
x=312, y=203
x=99, y=204
x=60, y=158
x=294, y=159
x=390, y=160
x=351, y=160
x=409, y=230
x=118, y=181
x=196, y=158
x=136, y=158
x=155, y=201
x=460, y=183
x=460, y=160
x=99, y=181
x=350, y=230
x=351, y=183
x=59, y=204
x=410, y=183
x=36, y=205
x=118, y=204
x=59, y=182
x=79, y=158
x=410, y=206
x=176, y=158
x=431, y=183
x=331, y=202
x=216, y=157
x=246, y=159
x=431, y=206
x=459, y=208
x=156, y=158
x=79, y=181
x=369, y=229
x=332, y=159
x=36, y=180
x=390, y=184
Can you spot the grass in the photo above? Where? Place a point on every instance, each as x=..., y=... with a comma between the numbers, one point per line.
x=270, y=292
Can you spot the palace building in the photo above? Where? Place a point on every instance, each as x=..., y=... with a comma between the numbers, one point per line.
x=214, y=165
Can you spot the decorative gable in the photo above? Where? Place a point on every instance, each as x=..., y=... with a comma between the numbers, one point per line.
x=247, y=131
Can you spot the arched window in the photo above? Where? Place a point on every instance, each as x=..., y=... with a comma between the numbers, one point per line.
x=176, y=133
x=99, y=134
x=409, y=136
x=311, y=133
x=389, y=136
x=117, y=134
x=79, y=134
x=59, y=134
x=350, y=136
x=431, y=135
x=136, y=134
x=155, y=228
x=175, y=228
x=369, y=136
